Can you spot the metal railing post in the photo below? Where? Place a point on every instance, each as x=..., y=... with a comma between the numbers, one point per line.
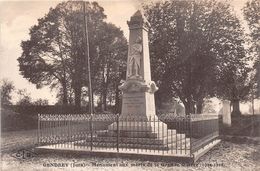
x=38, y=130
x=117, y=128
x=217, y=126
x=91, y=132
x=190, y=132
x=69, y=132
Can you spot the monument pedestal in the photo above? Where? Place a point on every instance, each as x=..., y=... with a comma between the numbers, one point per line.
x=139, y=128
x=226, y=114
x=138, y=125
x=138, y=117
x=138, y=110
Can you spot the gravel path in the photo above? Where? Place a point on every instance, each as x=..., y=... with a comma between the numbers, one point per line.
x=15, y=140
x=225, y=156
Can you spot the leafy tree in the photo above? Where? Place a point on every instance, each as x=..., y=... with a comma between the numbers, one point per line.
x=24, y=98
x=74, y=24
x=44, y=60
x=41, y=102
x=55, y=53
x=112, y=51
x=7, y=88
x=235, y=85
x=193, y=43
x=25, y=101
x=251, y=13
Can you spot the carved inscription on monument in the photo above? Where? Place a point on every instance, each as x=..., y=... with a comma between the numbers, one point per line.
x=134, y=102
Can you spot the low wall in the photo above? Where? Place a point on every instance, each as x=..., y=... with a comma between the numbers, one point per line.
x=244, y=125
x=50, y=109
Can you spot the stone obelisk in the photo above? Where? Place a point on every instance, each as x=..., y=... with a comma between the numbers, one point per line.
x=138, y=89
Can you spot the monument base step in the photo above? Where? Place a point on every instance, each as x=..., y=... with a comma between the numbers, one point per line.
x=137, y=140
x=170, y=134
x=144, y=135
x=139, y=126
x=129, y=146
x=108, y=138
x=133, y=134
x=159, y=146
x=138, y=131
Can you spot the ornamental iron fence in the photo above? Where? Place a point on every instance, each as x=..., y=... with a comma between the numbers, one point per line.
x=166, y=134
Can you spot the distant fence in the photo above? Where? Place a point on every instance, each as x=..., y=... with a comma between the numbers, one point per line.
x=180, y=135
x=243, y=125
x=34, y=110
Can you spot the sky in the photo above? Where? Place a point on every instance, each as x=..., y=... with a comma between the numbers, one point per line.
x=16, y=17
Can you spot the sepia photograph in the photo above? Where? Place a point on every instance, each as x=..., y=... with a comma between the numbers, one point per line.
x=116, y=85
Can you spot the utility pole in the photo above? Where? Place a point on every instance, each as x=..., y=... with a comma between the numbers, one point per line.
x=86, y=50
x=253, y=106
